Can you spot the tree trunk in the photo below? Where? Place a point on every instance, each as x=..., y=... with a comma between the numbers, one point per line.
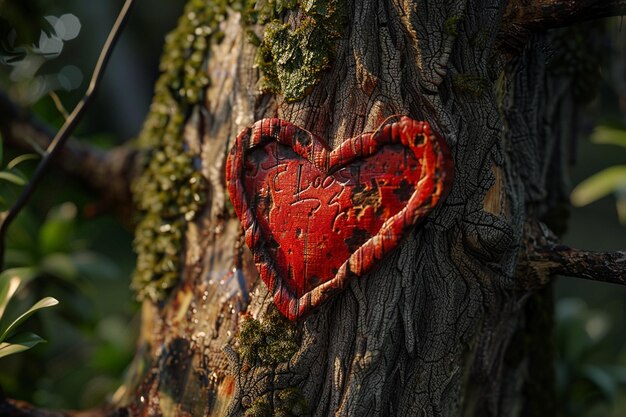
x=446, y=325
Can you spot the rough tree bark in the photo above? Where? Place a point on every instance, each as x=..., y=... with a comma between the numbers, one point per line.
x=455, y=321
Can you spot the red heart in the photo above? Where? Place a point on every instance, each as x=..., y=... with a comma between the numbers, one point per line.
x=317, y=218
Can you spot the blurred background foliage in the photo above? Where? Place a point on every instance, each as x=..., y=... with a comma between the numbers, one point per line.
x=67, y=248
x=48, y=50
x=591, y=317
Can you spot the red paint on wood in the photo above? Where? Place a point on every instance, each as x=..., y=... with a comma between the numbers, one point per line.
x=315, y=218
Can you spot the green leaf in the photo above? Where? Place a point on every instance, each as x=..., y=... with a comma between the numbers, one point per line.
x=19, y=257
x=1, y=143
x=10, y=281
x=43, y=303
x=609, y=135
x=19, y=343
x=60, y=265
x=598, y=185
x=618, y=373
x=56, y=232
x=22, y=235
x=18, y=160
x=8, y=286
x=93, y=265
x=12, y=178
x=602, y=380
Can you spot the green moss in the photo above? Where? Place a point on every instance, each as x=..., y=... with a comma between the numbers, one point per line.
x=451, y=25
x=290, y=403
x=291, y=60
x=260, y=408
x=469, y=84
x=170, y=190
x=286, y=403
x=268, y=342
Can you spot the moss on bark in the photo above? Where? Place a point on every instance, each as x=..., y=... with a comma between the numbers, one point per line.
x=292, y=59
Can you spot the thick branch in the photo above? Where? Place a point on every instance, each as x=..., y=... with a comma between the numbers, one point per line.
x=523, y=17
x=109, y=172
x=596, y=266
x=545, y=257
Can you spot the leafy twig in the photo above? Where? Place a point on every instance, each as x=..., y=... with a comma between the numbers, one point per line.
x=68, y=127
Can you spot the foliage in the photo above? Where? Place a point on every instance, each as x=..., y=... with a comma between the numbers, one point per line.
x=11, y=343
x=12, y=174
x=85, y=264
x=611, y=180
x=28, y=41
x=55, y=258
x=21, y=23
x=585, y=385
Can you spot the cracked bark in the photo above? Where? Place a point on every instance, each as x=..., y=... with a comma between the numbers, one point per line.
x=432, y=330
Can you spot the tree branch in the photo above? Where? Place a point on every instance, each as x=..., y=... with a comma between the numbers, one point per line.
x=110, y=172
x=595, y=266
x=68, y=127
x=544, y=256
x=15, y=408
x=522, y=17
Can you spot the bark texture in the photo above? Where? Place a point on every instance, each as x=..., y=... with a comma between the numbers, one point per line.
x=435, y=330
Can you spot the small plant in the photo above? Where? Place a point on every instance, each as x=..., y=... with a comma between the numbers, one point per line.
x=607, y=181
x=10, y=342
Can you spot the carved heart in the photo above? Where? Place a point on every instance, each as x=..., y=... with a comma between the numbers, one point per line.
x=317, y=218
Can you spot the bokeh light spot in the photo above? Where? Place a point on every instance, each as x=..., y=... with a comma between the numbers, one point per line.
x=70, y=77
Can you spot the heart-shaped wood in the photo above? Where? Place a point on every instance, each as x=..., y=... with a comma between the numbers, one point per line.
x=316, y=218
